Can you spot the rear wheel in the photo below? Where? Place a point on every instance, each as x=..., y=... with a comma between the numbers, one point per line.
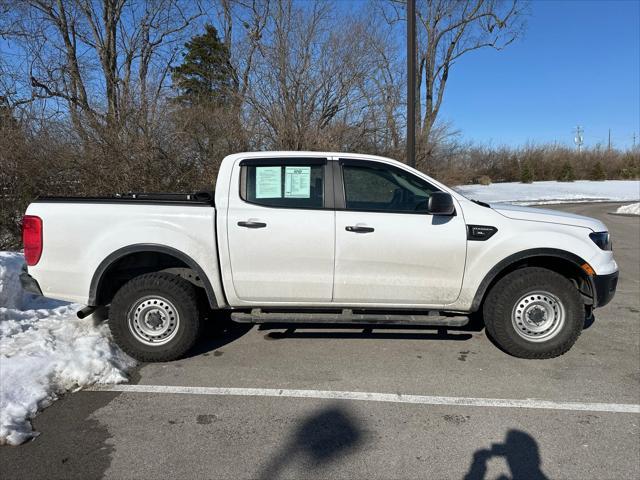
x=534, y=313
x=154, y=317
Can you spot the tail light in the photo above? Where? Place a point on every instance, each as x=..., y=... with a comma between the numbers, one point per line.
x=32, y=238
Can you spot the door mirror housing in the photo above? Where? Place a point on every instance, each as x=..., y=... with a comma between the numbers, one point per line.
x=440, y=203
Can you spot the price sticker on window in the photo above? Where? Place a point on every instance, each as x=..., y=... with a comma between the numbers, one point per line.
x=297, y=182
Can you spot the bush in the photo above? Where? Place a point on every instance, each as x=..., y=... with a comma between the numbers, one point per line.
x=526, y=173
x=566, y=173
x=597, y=172
x=483, y=180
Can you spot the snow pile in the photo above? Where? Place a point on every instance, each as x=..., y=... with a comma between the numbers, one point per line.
x=45, y=351
x=10, y=289
x=554, y=192
x=633, y=209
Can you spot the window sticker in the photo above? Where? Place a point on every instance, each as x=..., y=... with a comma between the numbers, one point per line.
x=268, y=182
x=297, y=182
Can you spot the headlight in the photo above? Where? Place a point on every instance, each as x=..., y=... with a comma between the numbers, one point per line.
x=602, y=239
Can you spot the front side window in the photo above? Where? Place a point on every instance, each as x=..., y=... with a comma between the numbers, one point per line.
x=288, y=186
x=384, y=188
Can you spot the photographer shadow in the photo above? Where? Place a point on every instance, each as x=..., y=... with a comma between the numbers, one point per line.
x=320, y=438
x=520, y=451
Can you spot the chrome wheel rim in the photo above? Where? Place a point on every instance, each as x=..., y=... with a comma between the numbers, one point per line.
x=538, y=316
x=153, y=320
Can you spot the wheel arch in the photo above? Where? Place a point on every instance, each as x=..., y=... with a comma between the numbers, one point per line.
x=560, y=261
x=99, y=294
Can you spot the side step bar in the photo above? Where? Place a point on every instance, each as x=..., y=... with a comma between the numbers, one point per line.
x=347, y=316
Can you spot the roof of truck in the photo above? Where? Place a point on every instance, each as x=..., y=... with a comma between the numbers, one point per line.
x=359, y=156
x=295, y=153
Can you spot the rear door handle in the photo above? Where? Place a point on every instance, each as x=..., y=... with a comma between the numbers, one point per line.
x=252, y=224
x=359, y=229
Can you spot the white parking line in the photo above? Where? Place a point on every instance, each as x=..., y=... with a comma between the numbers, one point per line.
x=373, y=397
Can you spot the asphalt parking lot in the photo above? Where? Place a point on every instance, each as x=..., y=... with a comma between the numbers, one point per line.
x=168, y=434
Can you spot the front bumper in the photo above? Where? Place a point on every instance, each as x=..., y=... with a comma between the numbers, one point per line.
x=29, y=284
x=604, y=288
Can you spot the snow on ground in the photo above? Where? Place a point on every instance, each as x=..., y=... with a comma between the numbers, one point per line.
x=554, y=192
x=633, y=209
x=45, y=351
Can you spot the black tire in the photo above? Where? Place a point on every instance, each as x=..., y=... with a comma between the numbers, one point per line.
x=181, y=301
x=501, y=301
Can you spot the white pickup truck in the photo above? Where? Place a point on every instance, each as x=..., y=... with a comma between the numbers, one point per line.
x=319, y=237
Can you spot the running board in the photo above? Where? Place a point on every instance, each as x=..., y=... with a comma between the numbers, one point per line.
x=347, y=316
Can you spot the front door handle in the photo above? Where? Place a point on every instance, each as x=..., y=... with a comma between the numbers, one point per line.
x=359, y=229
x=252, y=224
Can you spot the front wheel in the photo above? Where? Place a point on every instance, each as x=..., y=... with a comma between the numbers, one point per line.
x=534, y=313
x=154, y=317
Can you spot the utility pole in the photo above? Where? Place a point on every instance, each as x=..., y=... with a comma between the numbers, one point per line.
x=411, y=83
x=579, y=138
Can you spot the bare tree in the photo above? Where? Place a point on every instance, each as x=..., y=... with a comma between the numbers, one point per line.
x=312, y=77
x=106, y=60
x=452, y=29
x=447, y=30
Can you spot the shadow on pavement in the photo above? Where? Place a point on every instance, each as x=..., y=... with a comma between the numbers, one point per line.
x=319, y=439
x=380, y=332
x=521, y=453
x=217, y=333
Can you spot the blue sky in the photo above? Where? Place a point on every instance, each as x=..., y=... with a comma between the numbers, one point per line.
x=578, y=63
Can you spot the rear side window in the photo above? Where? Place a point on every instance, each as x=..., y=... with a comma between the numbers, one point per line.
x=288, y=186
x=382, y=188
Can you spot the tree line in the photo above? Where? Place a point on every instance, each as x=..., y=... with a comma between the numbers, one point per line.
x=104, y=96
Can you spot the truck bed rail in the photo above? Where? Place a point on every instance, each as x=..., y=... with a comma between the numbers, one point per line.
x=196, y=198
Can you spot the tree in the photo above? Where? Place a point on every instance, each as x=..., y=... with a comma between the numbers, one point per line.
x=105, y=61
x=206, y=73
x=447, y=30
x=8, y=121
x=207, y=86
x=320, y=82
x=526, y=172
x=598, y=172
x=566, y=173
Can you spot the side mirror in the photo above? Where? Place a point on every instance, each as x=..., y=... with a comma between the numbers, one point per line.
x=440, y=203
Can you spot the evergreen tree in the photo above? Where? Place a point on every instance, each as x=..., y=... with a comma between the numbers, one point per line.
x=206, y=73
x=526, y=173
x=598, y=173
x=566, y=173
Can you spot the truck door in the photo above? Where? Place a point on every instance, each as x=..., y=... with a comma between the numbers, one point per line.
x=389, y=251
x=281, y=230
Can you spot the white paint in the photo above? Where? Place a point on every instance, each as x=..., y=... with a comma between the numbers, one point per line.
x=78, y=237
x=290, y=260
x=374, y=397
x=410, y=259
